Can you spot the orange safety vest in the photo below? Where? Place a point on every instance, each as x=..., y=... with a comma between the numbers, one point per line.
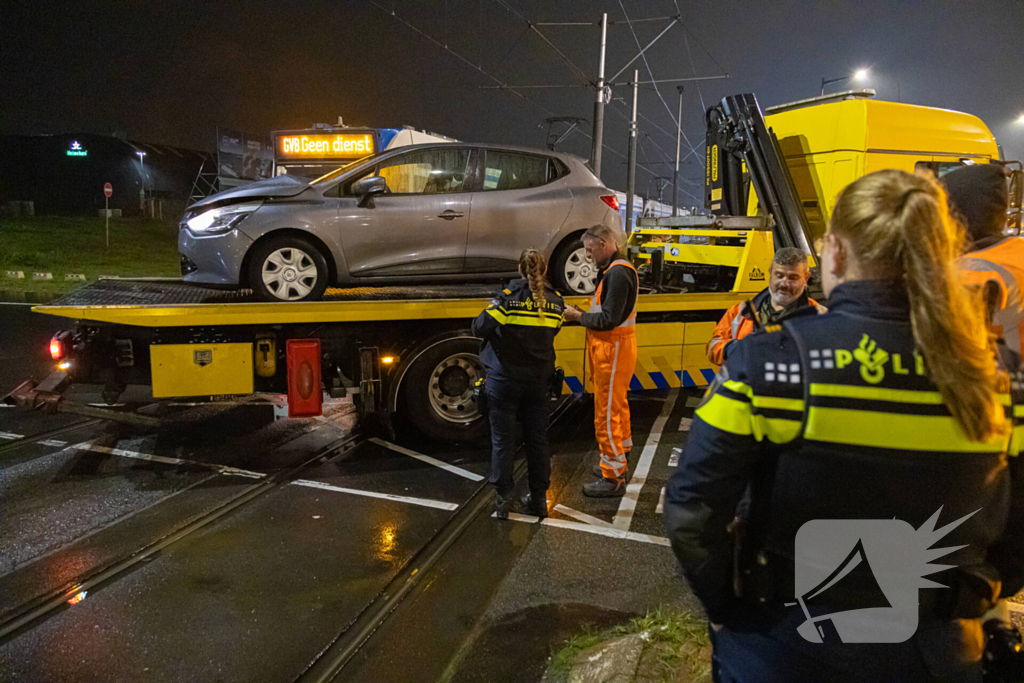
x=626, y=327
x=1003, y=262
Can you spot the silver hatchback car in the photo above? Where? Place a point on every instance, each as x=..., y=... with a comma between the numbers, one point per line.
x=432, y=213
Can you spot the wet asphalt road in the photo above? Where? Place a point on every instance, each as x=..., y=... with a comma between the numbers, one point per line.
x=257, y=594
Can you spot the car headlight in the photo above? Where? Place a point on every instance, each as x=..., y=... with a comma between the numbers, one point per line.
x=220, y=220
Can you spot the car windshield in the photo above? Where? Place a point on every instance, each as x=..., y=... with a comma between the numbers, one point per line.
x=338, y=171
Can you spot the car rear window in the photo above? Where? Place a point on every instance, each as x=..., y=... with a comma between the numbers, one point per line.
x=514, y=171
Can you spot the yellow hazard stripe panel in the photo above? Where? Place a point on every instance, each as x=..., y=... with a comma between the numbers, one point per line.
x=524, y=319
x=892, y=430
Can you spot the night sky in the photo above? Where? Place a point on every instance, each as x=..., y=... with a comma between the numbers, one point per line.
x=172, y=72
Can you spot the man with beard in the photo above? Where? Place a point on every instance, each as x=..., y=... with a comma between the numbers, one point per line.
x=784, y=298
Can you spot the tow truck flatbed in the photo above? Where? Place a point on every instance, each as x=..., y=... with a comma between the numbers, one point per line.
x=173, y=303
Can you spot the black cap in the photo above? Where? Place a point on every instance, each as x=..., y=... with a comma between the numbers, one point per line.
x=978, y=196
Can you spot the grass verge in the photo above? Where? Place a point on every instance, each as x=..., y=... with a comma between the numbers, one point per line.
x=676, y=641
x=75, y=244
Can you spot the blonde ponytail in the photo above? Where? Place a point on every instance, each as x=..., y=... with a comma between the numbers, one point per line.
x=899, y=226
x=534, y=267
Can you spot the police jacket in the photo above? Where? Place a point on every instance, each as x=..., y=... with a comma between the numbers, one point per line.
x=833, y=417
x=737, y=324
x=518, y=338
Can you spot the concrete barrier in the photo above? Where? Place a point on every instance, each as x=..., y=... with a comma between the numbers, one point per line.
x=74, y=276
x=16, y=274
x=42, y=276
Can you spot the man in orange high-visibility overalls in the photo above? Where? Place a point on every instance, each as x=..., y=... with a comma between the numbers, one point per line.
x=611, y=354
x=978, y=196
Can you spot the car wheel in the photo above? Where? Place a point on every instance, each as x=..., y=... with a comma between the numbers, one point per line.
x=437, y=394
x=571, y=271
x=288, y=269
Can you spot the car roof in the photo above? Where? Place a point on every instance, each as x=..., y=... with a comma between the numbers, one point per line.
x=482, y=145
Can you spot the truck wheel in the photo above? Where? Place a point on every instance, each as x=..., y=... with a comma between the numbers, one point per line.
x=437, y=392
x=571, y=271
x=288, y=269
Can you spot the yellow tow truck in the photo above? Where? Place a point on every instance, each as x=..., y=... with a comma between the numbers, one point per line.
x=408, y=352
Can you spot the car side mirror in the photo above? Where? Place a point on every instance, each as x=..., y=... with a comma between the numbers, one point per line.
x=367, y=188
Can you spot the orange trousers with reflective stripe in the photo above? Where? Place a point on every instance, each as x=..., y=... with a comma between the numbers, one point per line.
x=612, y=357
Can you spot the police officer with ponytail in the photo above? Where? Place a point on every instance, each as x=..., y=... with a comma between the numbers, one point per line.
x=518, y=330
x=886, y=492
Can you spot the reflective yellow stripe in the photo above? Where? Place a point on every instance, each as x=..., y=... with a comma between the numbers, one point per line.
x=528, y=320
x=764, y=401
x=892, y=430
x=778, y=402
x=880, y=394
x=1018, y=411
x=739, y=388
x=1016, y=441
x=876, y=393
x=778, y=430
x=727, y=414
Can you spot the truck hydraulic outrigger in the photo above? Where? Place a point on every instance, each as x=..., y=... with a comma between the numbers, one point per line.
x=741, y=151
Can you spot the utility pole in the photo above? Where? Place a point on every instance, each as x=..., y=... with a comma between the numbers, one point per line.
x=631, y=171
x=675, y=175
x=595, y=155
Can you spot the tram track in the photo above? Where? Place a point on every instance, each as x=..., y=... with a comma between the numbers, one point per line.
x=333, y=659
x=41, y=608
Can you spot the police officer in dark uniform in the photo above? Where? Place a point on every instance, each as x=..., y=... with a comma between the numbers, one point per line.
x=518, y=330
x=859, y=432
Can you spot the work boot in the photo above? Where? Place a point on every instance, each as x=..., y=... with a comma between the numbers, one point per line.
x=536, y=503
x=605, y=488
x=501, y=506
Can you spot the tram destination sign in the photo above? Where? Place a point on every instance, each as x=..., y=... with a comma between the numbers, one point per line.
x=324, y=145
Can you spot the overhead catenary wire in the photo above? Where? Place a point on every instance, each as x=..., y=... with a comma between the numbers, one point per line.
x=501, y=84
x=656, y=89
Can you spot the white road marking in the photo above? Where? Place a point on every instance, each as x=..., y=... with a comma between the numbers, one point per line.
x=44, y=442
x=1015, y=607
x=673, y=460
x=163, y=459
x=685, y=423
x=427, y=459
x=440, y=505
x=582, y=516
x=627, y=506
x=661, y=502
x=591, y=529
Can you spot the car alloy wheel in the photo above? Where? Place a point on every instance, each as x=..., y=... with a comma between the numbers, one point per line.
x=580, y=273
x=452, y=386
x=289, y=273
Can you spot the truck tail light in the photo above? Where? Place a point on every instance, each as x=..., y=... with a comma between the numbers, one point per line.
x=611, y=200
x=305, y=393
x=56, y=349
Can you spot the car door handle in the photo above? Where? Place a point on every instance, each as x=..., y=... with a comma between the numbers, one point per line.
x=450, y=215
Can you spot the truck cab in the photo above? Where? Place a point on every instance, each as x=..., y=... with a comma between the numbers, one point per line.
x=828, y=142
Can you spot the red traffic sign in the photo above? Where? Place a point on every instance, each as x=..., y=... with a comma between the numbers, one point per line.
x=108, y=190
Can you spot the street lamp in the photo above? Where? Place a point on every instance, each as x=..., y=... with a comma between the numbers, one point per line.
x=1020, y=121
x=858, y=75
x=142, y=172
